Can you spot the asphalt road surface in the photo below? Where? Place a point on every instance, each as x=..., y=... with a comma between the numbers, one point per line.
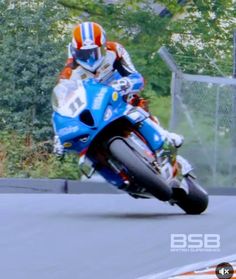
x=102, y=236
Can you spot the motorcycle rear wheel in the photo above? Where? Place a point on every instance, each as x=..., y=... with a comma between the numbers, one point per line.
x=196, y=201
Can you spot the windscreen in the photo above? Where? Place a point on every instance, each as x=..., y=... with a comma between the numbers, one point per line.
x=69, y=98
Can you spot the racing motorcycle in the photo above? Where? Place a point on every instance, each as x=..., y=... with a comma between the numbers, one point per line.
x=120, y=142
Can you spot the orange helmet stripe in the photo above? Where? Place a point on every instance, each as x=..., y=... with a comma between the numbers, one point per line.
x=88, y=32
x=97, y=31
x=77, y=35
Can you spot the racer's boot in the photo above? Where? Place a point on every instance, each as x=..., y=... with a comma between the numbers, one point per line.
x=175, y=139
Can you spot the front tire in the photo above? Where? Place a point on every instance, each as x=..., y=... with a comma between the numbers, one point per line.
x=142, y=173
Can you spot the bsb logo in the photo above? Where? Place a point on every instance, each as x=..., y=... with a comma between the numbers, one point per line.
x=195, y=242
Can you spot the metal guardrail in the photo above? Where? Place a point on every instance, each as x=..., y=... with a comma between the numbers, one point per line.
x=23, y=185
x=61, y=186
x=54, y=186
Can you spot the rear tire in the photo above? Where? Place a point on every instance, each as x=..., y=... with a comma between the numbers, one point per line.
x=142, y=173
x=196, y=201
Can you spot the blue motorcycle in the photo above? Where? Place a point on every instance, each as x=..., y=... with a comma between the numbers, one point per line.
x=120, y=142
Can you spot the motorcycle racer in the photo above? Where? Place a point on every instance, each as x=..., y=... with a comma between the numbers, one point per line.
x=90, y=55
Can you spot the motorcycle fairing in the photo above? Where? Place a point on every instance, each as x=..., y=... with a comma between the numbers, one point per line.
x=146, y=128
x=104, y=105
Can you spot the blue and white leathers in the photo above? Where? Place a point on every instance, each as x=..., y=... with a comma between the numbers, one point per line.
x=106, y=73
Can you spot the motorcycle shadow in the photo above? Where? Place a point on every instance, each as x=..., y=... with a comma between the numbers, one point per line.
x=127, y=216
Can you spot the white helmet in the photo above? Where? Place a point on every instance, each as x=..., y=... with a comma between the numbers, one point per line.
x=88, y=45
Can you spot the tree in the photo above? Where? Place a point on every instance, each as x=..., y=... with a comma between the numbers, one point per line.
x=202, y=36
x=32, y=53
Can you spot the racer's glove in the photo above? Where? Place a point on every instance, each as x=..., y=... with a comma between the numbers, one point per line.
x=122, y=85
x=137, y=101
x=58, y=148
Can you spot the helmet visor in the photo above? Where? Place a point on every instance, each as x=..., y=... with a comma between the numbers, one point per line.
x=89, y=56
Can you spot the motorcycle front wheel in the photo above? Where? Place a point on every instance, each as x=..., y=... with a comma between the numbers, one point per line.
x=141, y=171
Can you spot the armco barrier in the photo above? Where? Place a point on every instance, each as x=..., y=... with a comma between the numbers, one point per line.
x=29, y=185
x=61, y=186
x=52, y=186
